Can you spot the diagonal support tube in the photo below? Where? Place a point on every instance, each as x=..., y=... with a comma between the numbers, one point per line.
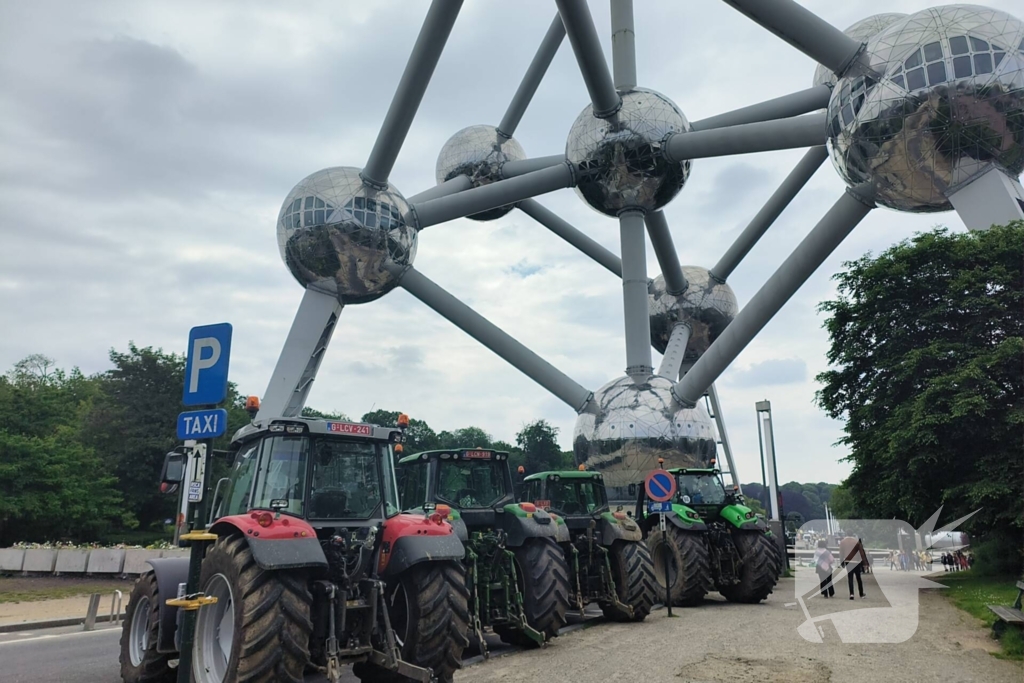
x=623, y=45
x=772, y=209
x=510, y=169
x=634, y=296
x=716, y=407
x=579, y=26
x=547, y=218
x=800, y=131
x=794, y=104
x=459, y=183
x=665, y=250
x=830, y=231
x=675, y=351
x=437, y=26
x=488, y=334
x=804, y=30
x=487, y=197
x=534, y=75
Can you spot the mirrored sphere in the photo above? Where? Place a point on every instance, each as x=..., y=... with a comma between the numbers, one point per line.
x=478, y=153
x=335, y=234
x=948, y=100
x=707, y=305
x=636, y=425
x=618, y=160
x=862, y=31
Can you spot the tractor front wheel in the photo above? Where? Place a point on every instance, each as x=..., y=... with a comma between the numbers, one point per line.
x=140, y=662
x=543, y=578
x=759, y=567
x=633, y=574
x=689, y=568
x=258, y=630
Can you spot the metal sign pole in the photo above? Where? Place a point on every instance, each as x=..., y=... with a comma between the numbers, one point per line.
x=668, y=583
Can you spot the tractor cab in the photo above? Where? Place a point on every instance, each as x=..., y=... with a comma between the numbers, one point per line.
x=577, y=496
x=702, y=490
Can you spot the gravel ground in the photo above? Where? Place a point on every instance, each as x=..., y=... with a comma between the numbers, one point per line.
x=720, y=642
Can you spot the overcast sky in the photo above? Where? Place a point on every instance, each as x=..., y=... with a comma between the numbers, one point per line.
x=145, y=150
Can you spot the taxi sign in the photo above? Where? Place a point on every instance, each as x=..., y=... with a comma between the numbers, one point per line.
x=660, y=486
x=350, y=428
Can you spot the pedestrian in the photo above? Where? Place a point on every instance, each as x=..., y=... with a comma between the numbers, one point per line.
x=892, y=560
x=824, y=563
x=854, y=559
x=970, y=561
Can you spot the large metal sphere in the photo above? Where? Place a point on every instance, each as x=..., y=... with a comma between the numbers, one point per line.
x=949, y=100
x=707, y=305
x=619, y=161
x=861, y=31
x=478, y=152
x=636, y=425
x=335, y=234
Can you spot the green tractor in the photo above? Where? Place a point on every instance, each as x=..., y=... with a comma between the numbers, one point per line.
x=516, y=574
x=610, y=562
x=713, y=542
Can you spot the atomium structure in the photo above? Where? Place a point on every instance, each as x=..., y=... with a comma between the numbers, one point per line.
x=919, y=112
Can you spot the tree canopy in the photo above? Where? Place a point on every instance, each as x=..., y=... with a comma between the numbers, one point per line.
x=926, y=346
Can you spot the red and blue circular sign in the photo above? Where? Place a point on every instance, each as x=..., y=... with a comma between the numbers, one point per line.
x=660, y=485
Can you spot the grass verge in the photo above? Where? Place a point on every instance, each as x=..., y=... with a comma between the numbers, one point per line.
x=18, y=589
x=972, y=593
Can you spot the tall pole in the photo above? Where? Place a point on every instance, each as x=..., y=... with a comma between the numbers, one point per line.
x=634, y=297
x=623, y=45
x=716, y=406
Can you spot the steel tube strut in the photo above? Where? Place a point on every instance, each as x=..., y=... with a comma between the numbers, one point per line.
x=800, y=131
x=547, y=218
x=510, y=169
x=488, y=334
x=804, y=30
x=487, y=197
x=675, y=351
x=579, y=26
x=459, y=183
x=534, y=75
x=840, y=220
x=775, y=205
x=716, y=406
x=634, y=296
x=623, y=45
x=794, y=104
x=661, y=239
x=425, y=52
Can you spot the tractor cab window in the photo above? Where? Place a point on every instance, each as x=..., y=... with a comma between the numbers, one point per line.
x=531, y=491
x=575, y=496
x=282, y=473
x=471, y=484
x=240, y=481
x=700, y=489
x=413, y=489
x=345, y=482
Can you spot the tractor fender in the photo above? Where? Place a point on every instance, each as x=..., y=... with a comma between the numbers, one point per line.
x=742, y=517
x=288, y=543
x=562, y=533
x=410, y=539
x=169, y=572
x=613, y=529
x=519, y=525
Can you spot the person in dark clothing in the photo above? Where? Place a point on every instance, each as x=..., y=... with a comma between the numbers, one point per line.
x=851, y=552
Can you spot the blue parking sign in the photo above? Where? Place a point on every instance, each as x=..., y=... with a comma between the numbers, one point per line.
x=206, y=370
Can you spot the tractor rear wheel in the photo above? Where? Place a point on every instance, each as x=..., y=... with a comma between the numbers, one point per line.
x=633, y=573
x=689, y=567
x=140, y=662
x=759, y=567
x=543, y=578
x=429, y=610
x=258, y=630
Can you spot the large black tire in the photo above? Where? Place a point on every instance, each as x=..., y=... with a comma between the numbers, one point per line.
x=140, y=662
x=270, y=615
x=429, y=610
x=544, y=579
x=689, y=575
x=759, y=567
x=633, y=573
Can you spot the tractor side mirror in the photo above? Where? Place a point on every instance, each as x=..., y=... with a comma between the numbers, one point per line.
x=173, y=472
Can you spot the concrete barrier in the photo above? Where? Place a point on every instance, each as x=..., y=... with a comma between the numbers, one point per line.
x=135, y=560
x=11, y=559
x=105, y=561
x=176, y=552
x=72, y=561
x=40, y=560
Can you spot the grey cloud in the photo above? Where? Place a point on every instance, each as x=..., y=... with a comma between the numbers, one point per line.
x=769, y=372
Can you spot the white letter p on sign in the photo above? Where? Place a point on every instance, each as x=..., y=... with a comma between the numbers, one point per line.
x=200, y=363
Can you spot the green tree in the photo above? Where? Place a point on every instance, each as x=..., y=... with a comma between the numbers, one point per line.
x=313, y=412
x=926, y=346
x=539, y=443
x=418, y=435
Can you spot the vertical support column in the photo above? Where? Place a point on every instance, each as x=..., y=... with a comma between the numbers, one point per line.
x=990, y=198
x=634, y=296
x=716, y=406
x=623, y=45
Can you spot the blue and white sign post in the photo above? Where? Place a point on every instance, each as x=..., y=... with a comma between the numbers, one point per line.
x=661, y=487
x=206, y=385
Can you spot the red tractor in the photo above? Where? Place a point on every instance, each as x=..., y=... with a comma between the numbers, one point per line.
x=313, y=567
